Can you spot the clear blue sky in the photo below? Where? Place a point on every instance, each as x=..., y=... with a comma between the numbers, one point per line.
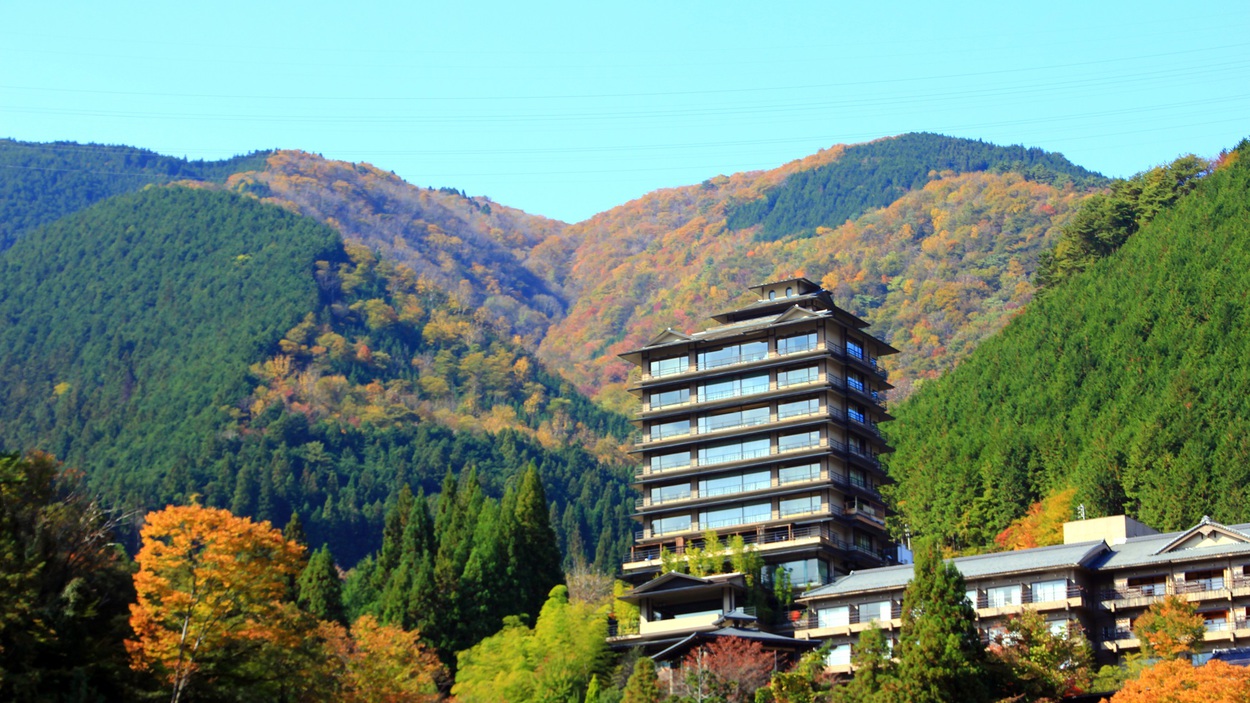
x=566, y=110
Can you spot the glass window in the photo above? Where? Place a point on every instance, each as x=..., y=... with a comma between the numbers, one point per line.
x=799, y=440
x=839, y=655
x=797, y=343
x=734, y=387
x=856, y=413
x=772, y=295
x=664, y=494
x=735, y=418
x=800, y=505
x=854, y=349
x=1049, y=591
x=1058, y=628
x=667, y=367
x=664, y=462
x=734, y=483
x=735, y=515
x=733, y=451
x=670, y=429
x=881, y=611
x=796, y=376
x=833, y=617
x=789, y=292
x=674, y=397
x=676, y=523
x=799, y=407
x=735, y=354
x=855, y=381
x=1003, y=596
x=803, y=572
x=794, y=474
x=971, y=596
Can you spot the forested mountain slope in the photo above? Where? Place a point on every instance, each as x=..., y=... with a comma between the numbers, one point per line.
x=1127, y=382
x=183, y=342
x=42, y=182
x=935, y=271
x=481, y=252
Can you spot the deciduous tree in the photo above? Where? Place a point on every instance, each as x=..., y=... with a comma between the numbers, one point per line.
x=1179, y=681
x=1169, y=628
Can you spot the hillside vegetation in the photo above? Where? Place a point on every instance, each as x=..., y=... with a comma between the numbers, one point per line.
x=875, y=174
x=935, y=272
x=1127, y=382
x=184, y=342
x=42, y=182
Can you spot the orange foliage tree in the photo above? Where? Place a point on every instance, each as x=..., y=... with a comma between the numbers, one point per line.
x=1042, y=525
x=1179, y=681
x=1169, y=628
x=207, y=580
x=383, y=663
x=730, y=667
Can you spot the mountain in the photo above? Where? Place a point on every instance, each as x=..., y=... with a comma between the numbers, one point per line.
x=42, y=182
x=484, y=253
x=190, y=343
x=941, y=266
x=1127, y=382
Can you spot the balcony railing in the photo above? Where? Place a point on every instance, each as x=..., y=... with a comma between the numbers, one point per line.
x=1151, y=590
x=695, y=462
x=696, y=431
x=858, y=355
x=732, y=360
x=695, y=399
x=761, y=536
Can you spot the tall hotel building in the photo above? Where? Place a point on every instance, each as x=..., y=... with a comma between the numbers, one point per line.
x=765, y=426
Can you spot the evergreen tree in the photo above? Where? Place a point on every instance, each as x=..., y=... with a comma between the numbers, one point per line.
x=532, y=545
x=320, y=591
x=940, y=656
x=592, y=690
x=643, y=685
x=873, y=669
x=294, y=531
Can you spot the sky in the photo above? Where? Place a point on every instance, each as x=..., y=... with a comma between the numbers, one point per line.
x=566, y=110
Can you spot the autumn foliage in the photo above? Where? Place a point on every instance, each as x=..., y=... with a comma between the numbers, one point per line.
x=207, y=580
x=1179, y=681
x=1169, y=628
x=379, y=663
x=1042, y=525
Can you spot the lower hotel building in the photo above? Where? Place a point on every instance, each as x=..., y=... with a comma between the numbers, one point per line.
x=1104, y=575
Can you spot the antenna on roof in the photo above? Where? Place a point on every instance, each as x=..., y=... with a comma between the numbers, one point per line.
x=1080, y=511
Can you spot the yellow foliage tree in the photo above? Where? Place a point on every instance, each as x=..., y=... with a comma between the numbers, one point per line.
x=206, y=580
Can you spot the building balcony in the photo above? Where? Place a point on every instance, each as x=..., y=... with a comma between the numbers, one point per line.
x=734, y=364
x=826, y=510
x=859, y=358
x=1117, y=639
x=737, y=459
x=694, y=495
x=809, y=623
x=730, y=398
x=766, y=540
x=774, y=420
x=1141, y=596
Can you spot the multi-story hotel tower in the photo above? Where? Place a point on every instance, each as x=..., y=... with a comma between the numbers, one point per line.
x=765, y=426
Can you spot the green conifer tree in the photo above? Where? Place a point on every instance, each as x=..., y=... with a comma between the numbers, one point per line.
x=320, y=590
x=873, y=669
x=592, y=690
x=643, y=685
x=532, y=546
x=940, y=655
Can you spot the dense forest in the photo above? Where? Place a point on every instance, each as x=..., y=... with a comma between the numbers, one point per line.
x=42, y=182
x=348, y=378
x=875, y=174
x=1125, y=381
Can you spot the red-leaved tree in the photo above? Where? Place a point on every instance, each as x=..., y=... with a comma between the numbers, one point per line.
x=732, y=668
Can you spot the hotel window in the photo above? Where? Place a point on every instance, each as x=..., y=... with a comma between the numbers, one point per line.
x=665, y=494
x=840, y=655
x=795, y=474
x=733, y=451
x=736, y=515
x=881, y=611
x=797, y=441
x=736, y=418
x=803, y=572
x=734, y=483
x=797, y=376
x=668, y=525
x=734, y=387
x=799, y=506
x=797, y=343
x=667, y=398
x=668, y=367
x=855, y=381
x=1050, y=591
x=665, y=462
x=789, y=292
x=833, y=617
x=1058, y=628
x=1208, y=580
x=854, y=349
x=796, y=408
x=856, y=413
x=1003, y=596
x=670, y=429
x=971, y=596
x=1215, y=621
x=735, y=354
